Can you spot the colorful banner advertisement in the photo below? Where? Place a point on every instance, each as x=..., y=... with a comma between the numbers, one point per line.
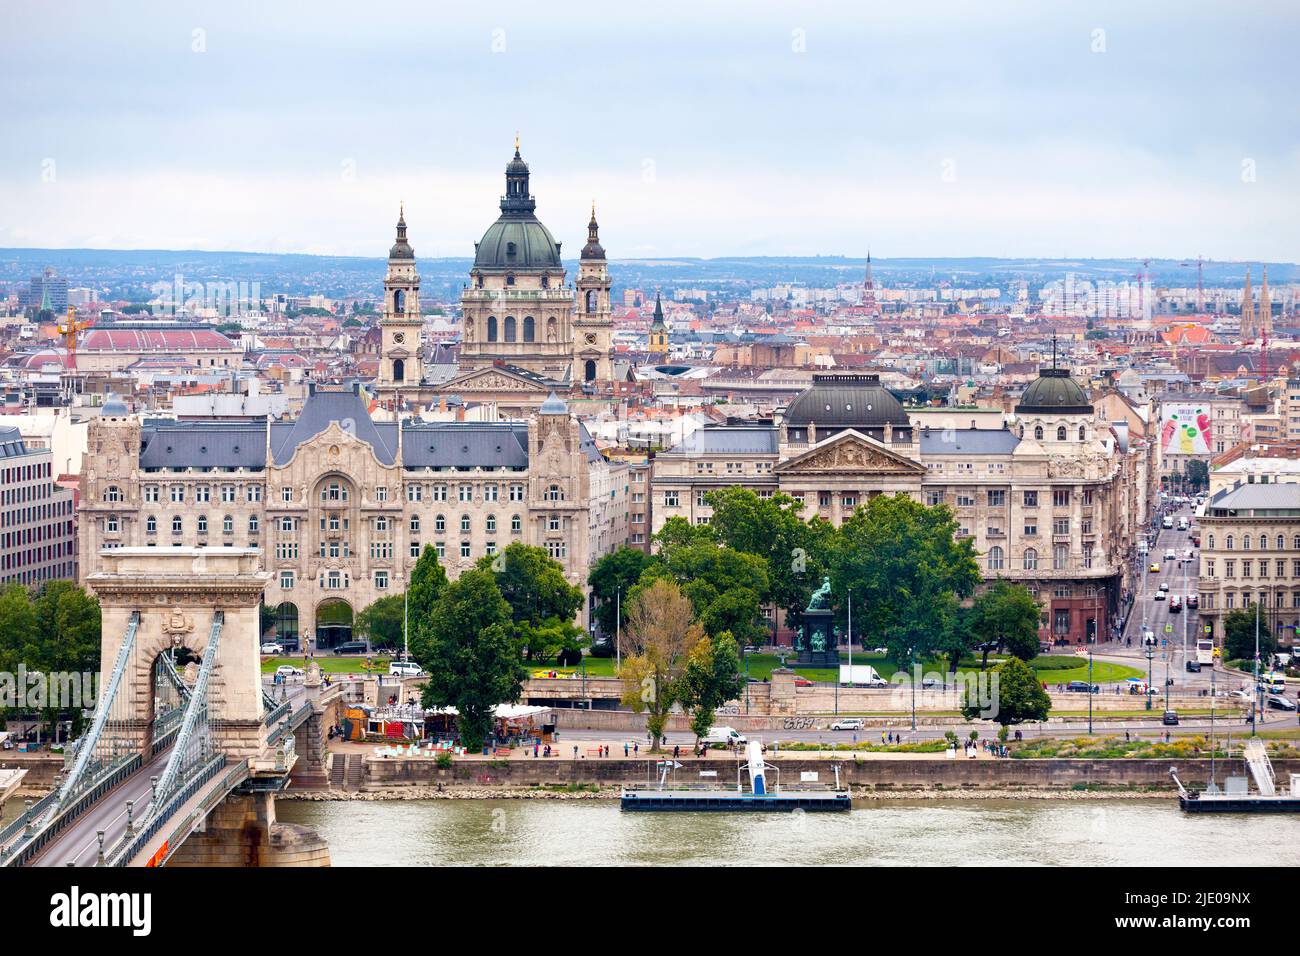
x=1185, y=429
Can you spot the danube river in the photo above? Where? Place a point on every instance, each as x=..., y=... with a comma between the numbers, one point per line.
x=1093, y=832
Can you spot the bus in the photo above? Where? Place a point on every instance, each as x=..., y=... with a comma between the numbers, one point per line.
x=1205, y=652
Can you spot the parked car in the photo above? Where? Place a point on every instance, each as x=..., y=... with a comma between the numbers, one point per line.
x=270, y=648
x=1278, y=702
x=849, y=723
x=803, y=682
x=1193, y=601
x=288, y=670
x=1170, y=719
x=351, y=647
x=1194, y=667
x=1082, y=687
x=404, y=669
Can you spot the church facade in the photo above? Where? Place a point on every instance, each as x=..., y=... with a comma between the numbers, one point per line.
x=525, y=330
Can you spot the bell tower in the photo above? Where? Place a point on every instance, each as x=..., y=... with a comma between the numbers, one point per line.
x=593, y=325
x=658, y=343
x=399, y=364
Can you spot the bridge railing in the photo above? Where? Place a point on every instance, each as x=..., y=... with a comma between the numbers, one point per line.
x=301, y=714
x=132, y=844
x=27, y=847
x=192, y=750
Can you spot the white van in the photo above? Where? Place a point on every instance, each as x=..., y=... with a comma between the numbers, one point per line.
x=724, y=736
x=1168, y=522
x=404, y=669
x=1182, y=524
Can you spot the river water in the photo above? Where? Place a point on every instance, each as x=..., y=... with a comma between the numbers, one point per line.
x=1094, y=832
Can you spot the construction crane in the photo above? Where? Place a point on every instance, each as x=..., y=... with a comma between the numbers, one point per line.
x=1200, y=282
x=69, y=328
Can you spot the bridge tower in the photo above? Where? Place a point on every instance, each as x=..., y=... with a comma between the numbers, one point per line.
x=177, y=593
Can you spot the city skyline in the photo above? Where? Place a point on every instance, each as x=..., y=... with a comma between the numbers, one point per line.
x=1075, y=132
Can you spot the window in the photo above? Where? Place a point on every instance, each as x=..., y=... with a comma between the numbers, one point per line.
x=286, y=524
x=415, y=524
x=1082, y=433
x=253, y=493
x=1038, y=432
x=557, y=549
x=516, y=524
x=934, y=498
x=286, y=494
x=465, y=493
x=414, y=493
x=381, y=580
x=176, y=524
x=1031, y=559
x=1060, y=557
x=1060, y=526
x=491, y=524
x=670, y=499
x=381, y=493
x=150, y=492
x=464, y=524
x=441, y=549
x=253, y=524
x=1031, y=529
x=178, y=493
x=464, y=549
x=203, y=494
x=203, y=524
x=111, y=524
x=334, y=491
x=997, y=498
x=997, y=559
x=1031, y=499
x=227, y=525
x=439, y=492
x=227, y=493
x=151, y=525
x=439, y=524
x=381, y=523
x=1060, y=433
x=965, y=500
x=1060, y=497
x=516, y=492
x=286, y=580
x=554, y=493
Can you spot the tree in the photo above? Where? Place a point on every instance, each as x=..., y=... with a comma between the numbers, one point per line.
x=1006, y=615
x=725, y=586
x=905, y=567
x=1019, y=696
x=1198, y=473
x=428, y=581
x=712, y=678
x=471, y=656
x=661, y=631
x=382, y=621
x=542, y=602
x=1239, y=636
x=611, y=578
x=795, y=550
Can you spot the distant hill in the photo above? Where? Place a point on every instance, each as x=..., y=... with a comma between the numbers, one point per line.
x=129, y=274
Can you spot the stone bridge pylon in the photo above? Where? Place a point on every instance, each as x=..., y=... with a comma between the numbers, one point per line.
x=177, y=592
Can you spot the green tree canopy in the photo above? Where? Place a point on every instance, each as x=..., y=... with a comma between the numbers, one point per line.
x=613, y=575
x=471, y=655
x=381, y=621
x=1239, y=636
x=1007, y=615
x=1018, y=696
x=724, y=585
x=906, y=567
x=712, y=677
x=542, y=602
x=661, y=632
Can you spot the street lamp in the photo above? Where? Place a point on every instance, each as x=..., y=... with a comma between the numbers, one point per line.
x=1090, y=691
x=1151, y=654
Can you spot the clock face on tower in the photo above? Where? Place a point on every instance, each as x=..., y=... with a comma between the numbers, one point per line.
x=591, y=338
x=399, y=337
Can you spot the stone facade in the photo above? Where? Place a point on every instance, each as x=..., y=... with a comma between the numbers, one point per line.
x=338, y=507
x=1053, y=500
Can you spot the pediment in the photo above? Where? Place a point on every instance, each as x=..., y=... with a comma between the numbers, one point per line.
x=493, y=380
x=853, y=453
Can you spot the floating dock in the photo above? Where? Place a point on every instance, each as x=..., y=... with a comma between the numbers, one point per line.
x=1237, y=797
x=760, y=797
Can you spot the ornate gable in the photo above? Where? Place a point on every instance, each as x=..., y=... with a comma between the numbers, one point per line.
x=851, y=452
x=493, y=379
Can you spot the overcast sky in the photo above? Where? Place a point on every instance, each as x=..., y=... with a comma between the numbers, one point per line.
x=700, y=129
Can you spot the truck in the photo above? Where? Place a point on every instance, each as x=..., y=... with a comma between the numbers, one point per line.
x=860, y=675
x=724, y=737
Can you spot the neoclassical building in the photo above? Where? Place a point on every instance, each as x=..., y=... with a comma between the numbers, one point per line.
x=340, y=506
x=1250, y=554
x=525, y=330
x=1050, y=499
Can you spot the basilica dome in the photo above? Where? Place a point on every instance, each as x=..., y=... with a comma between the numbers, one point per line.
x=517, y=241
x=1054, y=392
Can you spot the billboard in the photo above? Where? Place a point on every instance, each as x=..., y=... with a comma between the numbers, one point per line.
x=1185, y=429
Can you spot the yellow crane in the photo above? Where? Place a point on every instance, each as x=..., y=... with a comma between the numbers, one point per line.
x=69, y=328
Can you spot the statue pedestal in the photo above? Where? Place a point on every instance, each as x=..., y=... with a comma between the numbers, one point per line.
x=817, y=644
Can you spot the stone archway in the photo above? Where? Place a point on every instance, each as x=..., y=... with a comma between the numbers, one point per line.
x=177, y=592
x=333, y=624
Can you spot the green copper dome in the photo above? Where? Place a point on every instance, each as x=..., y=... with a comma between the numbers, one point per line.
x=517, y=241
x=1054, y=391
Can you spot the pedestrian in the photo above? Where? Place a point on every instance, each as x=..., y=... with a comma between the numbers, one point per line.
x=882, y=736
x=636, y=749
x=625, y=748
x=677, y=751
x=575, y=751
x=534, y=748
x=606, y=750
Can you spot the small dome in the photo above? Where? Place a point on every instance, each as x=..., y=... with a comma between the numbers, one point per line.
x=1054, y=392
x=554, y=405
x=114, y=407
x=846, y=401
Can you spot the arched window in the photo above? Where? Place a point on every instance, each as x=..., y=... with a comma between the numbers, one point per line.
x=203, y=524
x=1082, y=433
x=589, y=372
x=1038, y=432
x=591, y=300
x=176, y=524
x=1281, y=542
x=399, y=301
x=113, y=493
x=464, y=523
x=1022, y=431
x=440, y=524
x=1230, y=542
x=1031, y=559
x=227, y=525
x=1245, y=542
x=510, y=328
x=553, y=493
x=492, y=328
x=399, y=370
x=997, y=558
x=530, y=329
x=1211, y=540
x=516, y=524
x=1060, y=433
x=415, y=524
x=491, y=524
x=151, y=524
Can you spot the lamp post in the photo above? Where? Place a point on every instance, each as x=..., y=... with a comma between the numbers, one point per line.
x=1259, y=693
x=911, y=661
x=1151, y=654
x=1090, y=691
x=618, y=630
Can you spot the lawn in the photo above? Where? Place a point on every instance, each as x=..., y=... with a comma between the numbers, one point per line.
x=762, y=665
x=328, y=664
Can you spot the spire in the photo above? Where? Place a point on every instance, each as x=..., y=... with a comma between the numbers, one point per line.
x=869, y=289
x=1247, y=309
x=593, y=249
x=658, y=322
x=401, y=248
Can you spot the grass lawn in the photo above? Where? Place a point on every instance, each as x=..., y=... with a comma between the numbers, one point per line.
x=761, y=666
x=328, y=664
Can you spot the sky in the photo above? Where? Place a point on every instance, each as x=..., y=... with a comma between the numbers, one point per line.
x=709, y=128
